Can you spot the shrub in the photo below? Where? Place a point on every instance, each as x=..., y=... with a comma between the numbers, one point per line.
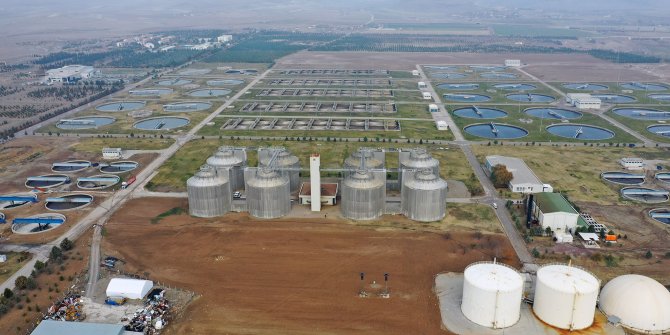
x=648, y=255
x=21, y=282
x=66, y=244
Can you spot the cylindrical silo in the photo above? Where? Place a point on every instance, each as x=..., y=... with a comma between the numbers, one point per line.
x=208, y=193
x=363, y=195
x=374, y=159
x=565, y=296
x=424, y=195
x=492, y=294
x=268, y=193
x=233, y=160
x=286, y=163
x=415, y=159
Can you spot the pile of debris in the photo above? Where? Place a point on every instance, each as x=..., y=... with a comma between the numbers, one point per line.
x=71, y=308
x=153, y=317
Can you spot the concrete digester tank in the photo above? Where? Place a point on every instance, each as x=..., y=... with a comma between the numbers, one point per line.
x=374, y=159
x=565, y=296
x=268, y=193
x=424, y=195
x=492, y=294
x=209, y=193
x=233, y=161
x=364, y=194
x=284, y=162
x=417, y=158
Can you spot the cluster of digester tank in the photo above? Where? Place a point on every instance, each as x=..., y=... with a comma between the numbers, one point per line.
x=565, y=297
x=268, y=188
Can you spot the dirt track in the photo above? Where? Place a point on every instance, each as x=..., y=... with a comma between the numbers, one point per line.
x=293, y=276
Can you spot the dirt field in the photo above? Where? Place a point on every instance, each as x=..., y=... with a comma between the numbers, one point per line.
x=293, y=276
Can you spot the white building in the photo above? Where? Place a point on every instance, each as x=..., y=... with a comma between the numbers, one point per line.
x=442, y=125
x=554, y=211
x=3, y=258
x=583, y=101
x=523, y=178
x=427, y=96
x=112, y=153
x=630, y=163
x=69, y=74
x=433, y=108
x=129, y=288
x=513, y=62
x=422, y=85
x=224, y=38
x=415, y=73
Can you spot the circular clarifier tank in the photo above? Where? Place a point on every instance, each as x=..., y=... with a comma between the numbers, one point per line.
x=553, y=113
x=68, y=202
x=645, y=194
x=498, y=75
x=481, y=68
x=174, y=82
x=623, y=178
x=86, y=122
x=515, y=86
x=614, y=98
x=118, y=167
x=530, y=97
x=98, y=182
x=47, y=181
x=463, y=97
x=224, y=82
x=186, y=107
x=448, y=75
x=660, y=130
x=121, y=106
x=11, y=201
x=495, y=131
x=161, y=123
x=663, y=177
x=660, y=97
x=209, y=92
x=458, y=86
x=644, y=86
x=643, y=114
x=475, y=112
x=194, y=72
x=145, y=92
x=37, y=223
x=661, y=215
x=580, y=132
x=70, y=166
x=585, y=87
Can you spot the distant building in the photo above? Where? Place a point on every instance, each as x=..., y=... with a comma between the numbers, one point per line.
x=513, y=62
x=112, y=153
x=442, y=125
x=583, y=101
x=433, y=108
x=203, y=46
x=328, y=194
x=149, y=45
x=629, y=163
x=422, y=84
x=69, y=74
x=3, y=258
x=415, y=73
x=554, y=211
x=224, y=38
x=523, y=178
x=427, y=96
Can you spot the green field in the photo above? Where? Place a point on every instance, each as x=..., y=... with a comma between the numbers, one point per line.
x=15, y=261
x=173, y=174
x=510, y=30
x=95, y=145
x=574, y=170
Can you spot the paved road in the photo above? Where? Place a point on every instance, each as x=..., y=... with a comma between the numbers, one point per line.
x=443, y=114
x=107, y=207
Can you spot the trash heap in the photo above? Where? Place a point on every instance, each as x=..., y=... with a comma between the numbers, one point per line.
x=153, y=317
x=71, y=308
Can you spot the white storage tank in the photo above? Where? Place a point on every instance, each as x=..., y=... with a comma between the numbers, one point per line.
x=492, y=294
x=640, y=303
x=565, y=296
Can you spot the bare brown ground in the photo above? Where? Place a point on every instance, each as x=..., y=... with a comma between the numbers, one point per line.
x=293, y=276
x=549, y=67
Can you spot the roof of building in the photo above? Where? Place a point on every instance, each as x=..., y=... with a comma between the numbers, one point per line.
x=70, y=70
x=589, y=236
x=327, y=189
x=553, y=202
x=521, y=173
x=641, y=303
x=51, y=327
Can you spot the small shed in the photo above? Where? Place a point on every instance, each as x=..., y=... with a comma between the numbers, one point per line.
x=433, y=108
x=422, y=84
x=589, y=238
x=415, y=72
x=3, y=258
x=112, y=153
x=129, y=288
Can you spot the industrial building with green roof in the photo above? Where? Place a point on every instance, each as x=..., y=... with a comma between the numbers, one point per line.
x=554, y=211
